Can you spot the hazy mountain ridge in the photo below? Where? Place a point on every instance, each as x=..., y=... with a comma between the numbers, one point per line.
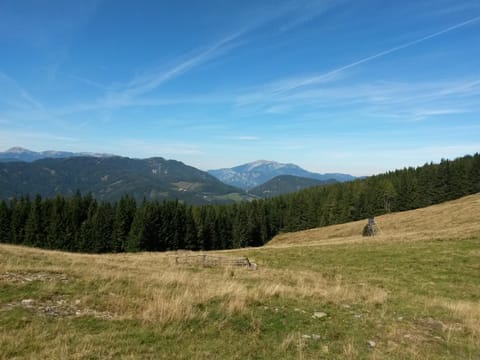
x=285, y=184
x=18, y=153
x=108, y=178
x=250, y=175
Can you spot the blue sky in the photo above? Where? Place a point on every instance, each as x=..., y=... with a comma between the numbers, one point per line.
x=334, y=86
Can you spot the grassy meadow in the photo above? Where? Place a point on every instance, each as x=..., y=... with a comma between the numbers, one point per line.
x=412, y=292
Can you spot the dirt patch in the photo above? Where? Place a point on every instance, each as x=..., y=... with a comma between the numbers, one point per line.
x=57, y=307
x=439, y=326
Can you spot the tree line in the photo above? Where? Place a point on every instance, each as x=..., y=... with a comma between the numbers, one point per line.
x=83, y=224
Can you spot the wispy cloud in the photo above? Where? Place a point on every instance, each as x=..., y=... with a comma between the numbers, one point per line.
x=132, y=93
x=403, y=46
x=15, y=94
x=151, y=80
x=321, y=90
x=89, y=82
x=450, y=8
x=246, y=138
x=439, y=112
x=287, y=85
x=283, y=95
x=157, y=148
x=306, y=11
x=279, y=87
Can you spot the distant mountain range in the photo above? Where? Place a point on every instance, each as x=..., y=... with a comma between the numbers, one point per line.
x=22, y=154
x=250, y=175
x=285, y=184
x=108, y=178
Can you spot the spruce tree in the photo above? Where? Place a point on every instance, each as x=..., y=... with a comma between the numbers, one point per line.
x=5, y=233
x=124, y=214
x=74, y=217
x=474, y=174
x=34, y=227
x=103, y=228
x=191, y=239
x=136, y=239
x=86, y=238
x=20, y=212
x=180, y=219
x=57, y=224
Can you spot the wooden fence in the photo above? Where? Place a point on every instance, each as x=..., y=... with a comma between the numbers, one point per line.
x=214, y=260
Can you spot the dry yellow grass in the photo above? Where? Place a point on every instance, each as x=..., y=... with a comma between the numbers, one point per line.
x=458, y=219
x=467, y=311
x=159, y=291
x=349, y=350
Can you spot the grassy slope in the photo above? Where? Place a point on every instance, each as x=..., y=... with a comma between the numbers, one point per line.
x=414, y=290
x=458, y=219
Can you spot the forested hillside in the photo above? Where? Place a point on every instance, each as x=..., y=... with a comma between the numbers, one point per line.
x=286, y=184
x=81, y=223
x=109, y=178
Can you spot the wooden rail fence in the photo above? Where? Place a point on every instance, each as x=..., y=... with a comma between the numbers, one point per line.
x=214, y=260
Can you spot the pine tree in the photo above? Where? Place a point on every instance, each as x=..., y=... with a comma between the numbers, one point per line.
x=86, y=238
x=5, y=233
x=20, y=212
x=74, y=217
x=163, y=224
x=103, y=228
x=408, y=192
x=34, y=227
x=124, y=214
x=180, y=225
x=240, y=227
x=155, y=235
x=474, y=174
x=191, y=239
x=136, y=239
x=57, y=225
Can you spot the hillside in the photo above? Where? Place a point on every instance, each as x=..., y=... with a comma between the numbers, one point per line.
x=285, y=184
x=250, y=175
x=109, y=178
x=457, y=219
x=351, y=299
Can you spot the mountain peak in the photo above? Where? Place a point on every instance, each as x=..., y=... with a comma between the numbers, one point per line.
x=259, y=163
x=18, y=150
x=252, y=174
x=262, y=162
x=263, y=166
